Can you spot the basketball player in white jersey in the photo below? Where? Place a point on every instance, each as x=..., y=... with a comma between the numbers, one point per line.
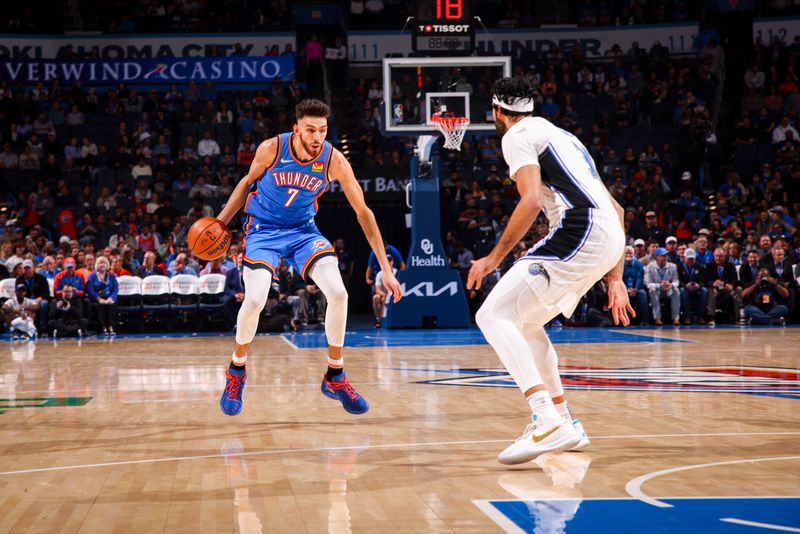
x=555, y=174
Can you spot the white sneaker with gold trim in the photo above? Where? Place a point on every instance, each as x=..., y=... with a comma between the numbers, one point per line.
x=578, y=428
x=539, y=437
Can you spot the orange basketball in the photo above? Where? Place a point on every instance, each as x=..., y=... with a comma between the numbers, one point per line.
x=208, y=238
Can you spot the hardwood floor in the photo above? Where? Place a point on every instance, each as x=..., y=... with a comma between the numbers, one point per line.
x=126, y=435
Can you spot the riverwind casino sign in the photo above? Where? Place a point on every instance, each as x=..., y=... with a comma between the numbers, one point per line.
x=150, y=71
x=146, y=59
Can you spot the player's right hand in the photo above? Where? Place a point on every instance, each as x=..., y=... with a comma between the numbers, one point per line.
x=392, y=286
x=618, y=302
x=479, y=270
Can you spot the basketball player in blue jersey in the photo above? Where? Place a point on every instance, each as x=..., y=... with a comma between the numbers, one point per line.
x=554, y=174
x=280, y=197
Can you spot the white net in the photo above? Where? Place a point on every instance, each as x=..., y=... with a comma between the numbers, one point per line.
x=453, y=129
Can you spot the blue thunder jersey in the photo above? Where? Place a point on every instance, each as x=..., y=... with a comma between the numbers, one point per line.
x=288, y=192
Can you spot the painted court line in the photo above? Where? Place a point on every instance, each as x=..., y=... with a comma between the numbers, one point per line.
x=384, y=446
x=758, y=525
x=634, y=486
x=498, y=517
x=289, y=342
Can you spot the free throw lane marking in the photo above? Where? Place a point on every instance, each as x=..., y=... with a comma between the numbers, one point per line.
x=634, y=486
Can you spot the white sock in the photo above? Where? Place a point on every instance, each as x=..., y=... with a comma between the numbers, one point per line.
x=336, y=364
x=542, y=405
x=238, y=360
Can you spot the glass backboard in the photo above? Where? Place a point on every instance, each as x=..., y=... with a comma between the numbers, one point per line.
x=416, y=88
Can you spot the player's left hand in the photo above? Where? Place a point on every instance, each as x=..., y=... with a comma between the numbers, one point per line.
x=392, y=286
x=480, y=269
x=618, y=302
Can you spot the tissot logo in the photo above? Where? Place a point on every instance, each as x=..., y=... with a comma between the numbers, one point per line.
x=443, y=28
x=427, y=289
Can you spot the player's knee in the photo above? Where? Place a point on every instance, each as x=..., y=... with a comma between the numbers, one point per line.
x=337, y=296
x=484, y=316
x=252, y=305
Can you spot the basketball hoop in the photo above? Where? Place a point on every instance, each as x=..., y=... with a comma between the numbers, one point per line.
x=453, y=128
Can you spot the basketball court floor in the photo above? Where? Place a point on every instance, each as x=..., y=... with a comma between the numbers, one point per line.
x=693, y=430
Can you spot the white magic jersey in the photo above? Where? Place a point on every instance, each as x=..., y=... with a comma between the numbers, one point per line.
x=568, y=171
x=586, y=238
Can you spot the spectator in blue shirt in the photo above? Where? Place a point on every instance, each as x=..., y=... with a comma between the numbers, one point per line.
x=550, y=108
x=103, y=291
x=373, y=267
x=725, y=217
x=704, y=256
x=68, y=276
x=49, y=269
x=180, y=267
x=633, y=276
x=692, y=276
x=690, y=203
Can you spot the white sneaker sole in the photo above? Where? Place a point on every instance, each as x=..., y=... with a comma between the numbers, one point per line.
x=520, y=452
x=584, y=439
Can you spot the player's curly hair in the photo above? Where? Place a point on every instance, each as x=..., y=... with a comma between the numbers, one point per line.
x=311, y=107
x=510, y=89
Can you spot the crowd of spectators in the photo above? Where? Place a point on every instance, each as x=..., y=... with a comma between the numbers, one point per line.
x=121, y=176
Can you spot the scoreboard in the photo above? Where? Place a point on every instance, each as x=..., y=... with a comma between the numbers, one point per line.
x=444, y=27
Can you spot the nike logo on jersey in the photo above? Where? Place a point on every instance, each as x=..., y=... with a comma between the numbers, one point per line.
x=286, y=161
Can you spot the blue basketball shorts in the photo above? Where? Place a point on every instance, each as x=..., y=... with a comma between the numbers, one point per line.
x=301, y=247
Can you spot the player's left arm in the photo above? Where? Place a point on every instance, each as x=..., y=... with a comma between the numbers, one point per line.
x=529, y=185
x=618, y=301
x=342, y=171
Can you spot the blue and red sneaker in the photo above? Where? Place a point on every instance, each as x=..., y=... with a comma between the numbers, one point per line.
x=338, y=388
x=231, y=401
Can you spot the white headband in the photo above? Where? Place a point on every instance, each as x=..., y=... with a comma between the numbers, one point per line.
x=519, y=105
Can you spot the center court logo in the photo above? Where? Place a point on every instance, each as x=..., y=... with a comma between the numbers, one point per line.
x=762, y=381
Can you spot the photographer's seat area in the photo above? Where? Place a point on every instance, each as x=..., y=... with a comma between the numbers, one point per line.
x=767, y=302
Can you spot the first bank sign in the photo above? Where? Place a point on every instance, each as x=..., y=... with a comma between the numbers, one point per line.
x=151, y=71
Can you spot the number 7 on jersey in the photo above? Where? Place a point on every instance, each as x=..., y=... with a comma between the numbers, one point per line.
x=292, y=195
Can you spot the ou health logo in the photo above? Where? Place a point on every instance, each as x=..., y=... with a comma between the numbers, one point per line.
x=427, y=246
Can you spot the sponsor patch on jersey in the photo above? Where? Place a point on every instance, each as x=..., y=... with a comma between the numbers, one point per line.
x=317, y=166
x=319, y=244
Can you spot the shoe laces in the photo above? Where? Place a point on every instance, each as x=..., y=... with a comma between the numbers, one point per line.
x=234, y=385
x=346, y=387
x=528, y=431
